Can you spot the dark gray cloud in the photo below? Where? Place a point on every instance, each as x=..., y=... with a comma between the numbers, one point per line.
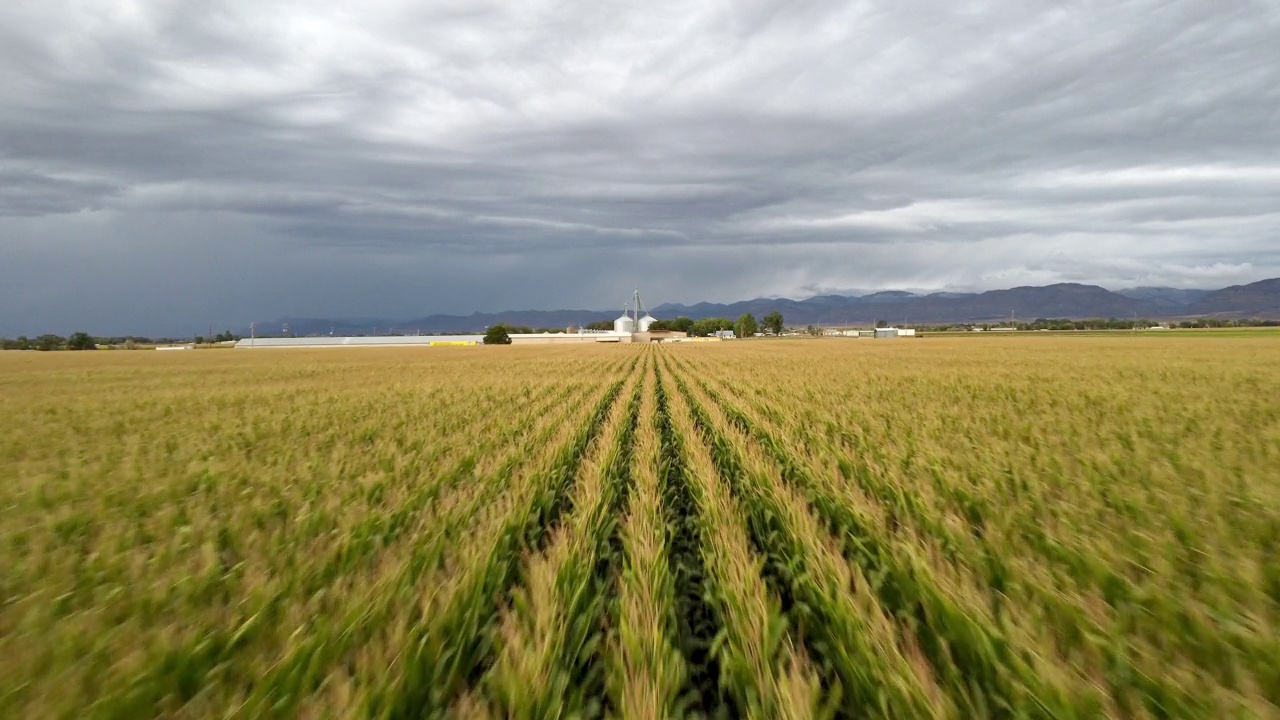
x=164, y=165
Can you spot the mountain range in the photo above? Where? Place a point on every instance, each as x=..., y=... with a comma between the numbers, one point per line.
x=1063, y=300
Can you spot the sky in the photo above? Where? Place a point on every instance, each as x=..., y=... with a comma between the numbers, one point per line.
x=169, y=164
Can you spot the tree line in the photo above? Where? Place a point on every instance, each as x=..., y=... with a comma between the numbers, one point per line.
x=745, y=326
x=85, y=341
x=49, y=341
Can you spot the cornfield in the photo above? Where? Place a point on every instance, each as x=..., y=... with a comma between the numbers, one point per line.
x=950, y=528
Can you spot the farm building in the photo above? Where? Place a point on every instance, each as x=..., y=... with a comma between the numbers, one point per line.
x=890, y=332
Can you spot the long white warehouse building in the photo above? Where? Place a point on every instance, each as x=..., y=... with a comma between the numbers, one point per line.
x=371, y=341
x=583, y=336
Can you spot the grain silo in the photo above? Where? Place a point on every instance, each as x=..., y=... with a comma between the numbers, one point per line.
x=639, y=323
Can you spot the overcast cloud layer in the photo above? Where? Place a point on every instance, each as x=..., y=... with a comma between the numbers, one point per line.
x=167, y=164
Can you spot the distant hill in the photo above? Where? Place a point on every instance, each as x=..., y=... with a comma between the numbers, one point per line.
x=1260, y=299
x=1164, y=297
x=1063, y=300
x=888, y=296
x=1053, y=301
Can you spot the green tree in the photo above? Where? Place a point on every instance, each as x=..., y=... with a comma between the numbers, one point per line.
x=48, y=342
x=497, y=335
x=746, y=326
x=681, y=324
x=81, y=341
x=708, y=326
x=773, y=322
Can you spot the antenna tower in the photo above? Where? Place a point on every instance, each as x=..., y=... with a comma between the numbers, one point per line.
x=637, y=307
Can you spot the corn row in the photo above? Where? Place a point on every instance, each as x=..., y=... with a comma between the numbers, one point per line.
x=971, y=640
x=841, y=623
x=1001, y=545
x=760, y=669
x=213, y=647
x=549, y=664
x=377, y=530
x=973, y=658
x=906, y=511
x=449, y=638
x=646, y=671
x=316, y=645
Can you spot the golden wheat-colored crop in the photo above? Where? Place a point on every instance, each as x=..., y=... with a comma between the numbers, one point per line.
x=1022, y=526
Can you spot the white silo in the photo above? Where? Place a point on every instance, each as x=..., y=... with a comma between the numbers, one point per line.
x=645, y=322
x=623, y=324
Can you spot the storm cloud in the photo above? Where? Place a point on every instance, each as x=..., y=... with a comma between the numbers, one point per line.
x=165, y=165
